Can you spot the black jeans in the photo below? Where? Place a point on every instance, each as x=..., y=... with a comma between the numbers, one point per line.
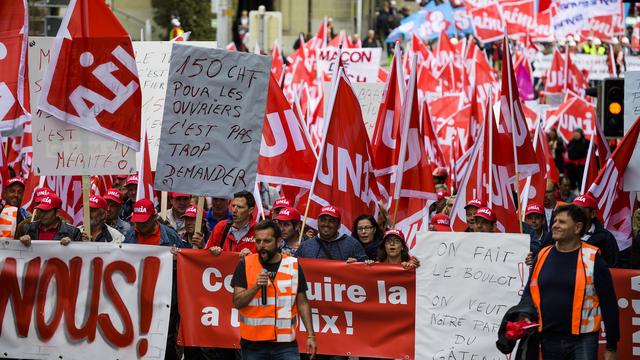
x=570, y=347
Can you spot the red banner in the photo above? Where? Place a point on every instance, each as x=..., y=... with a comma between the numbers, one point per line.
x=627, y=285
x=357, y=310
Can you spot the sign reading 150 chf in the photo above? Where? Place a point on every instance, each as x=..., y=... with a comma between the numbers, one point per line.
x=212, y=124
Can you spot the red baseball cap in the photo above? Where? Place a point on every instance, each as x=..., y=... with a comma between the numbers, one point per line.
x=40, y=193
x=49, y=202
x=486, y=213
x=143, y=209
x=477, y=203
x=331, y=211
x=586, y=200
x=15, y=180
x=442, y=194
x=533, y=209
x=113, y=195
x=440, y=222
x=98, y=202
x=288, y=214
x=132, y=180
x=395, y=232
x=280, y=203
x=440, y=172
x=175, y=195
x=191, y=212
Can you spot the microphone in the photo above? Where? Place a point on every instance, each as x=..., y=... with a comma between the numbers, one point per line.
x=263, y=289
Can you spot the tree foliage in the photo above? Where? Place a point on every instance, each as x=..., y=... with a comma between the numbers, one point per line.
x=194, y=16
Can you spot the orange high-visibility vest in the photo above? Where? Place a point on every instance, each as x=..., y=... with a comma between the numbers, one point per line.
x=277, y=320
x=585, y=316
x=8, y=221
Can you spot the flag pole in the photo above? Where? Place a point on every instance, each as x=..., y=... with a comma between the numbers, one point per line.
x=86, y=212
x=491, y=123
x=513, y=126
x=199, y=213
x=163, y=205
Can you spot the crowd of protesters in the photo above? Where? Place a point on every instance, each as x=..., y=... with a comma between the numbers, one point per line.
x=229, y=225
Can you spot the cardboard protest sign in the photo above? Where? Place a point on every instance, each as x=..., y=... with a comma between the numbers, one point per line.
x=347, y=302
x=631, y=114
x=88, y=301
x=369, y=96
x=61, y=148
x=467, y=283
x=361, y=64
x=152, y=59
x=212, y=122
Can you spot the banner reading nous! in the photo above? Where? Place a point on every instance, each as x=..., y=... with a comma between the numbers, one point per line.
x=84, y=300
x=356, y=309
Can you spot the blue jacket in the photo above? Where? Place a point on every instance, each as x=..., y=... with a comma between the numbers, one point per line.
x=168, y=237
x=341, y=249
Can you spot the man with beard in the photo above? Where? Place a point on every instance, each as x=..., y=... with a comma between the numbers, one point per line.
x=114, y=205
x=100, y=231
x=13, y=193
x=268, y=328
x=329, y=243
x=288, y=220
x=235, y=235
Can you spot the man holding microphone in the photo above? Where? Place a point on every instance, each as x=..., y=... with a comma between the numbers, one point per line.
x=269, y=292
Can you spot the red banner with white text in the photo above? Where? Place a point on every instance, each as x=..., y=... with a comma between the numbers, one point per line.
x=356, y=309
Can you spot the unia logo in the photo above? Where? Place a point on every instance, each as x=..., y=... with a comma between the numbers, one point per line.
x=140, y=210
x=285, y=212
x=46, y=200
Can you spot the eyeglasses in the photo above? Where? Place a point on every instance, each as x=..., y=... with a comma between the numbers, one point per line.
x=393, y=241
x=364, y=228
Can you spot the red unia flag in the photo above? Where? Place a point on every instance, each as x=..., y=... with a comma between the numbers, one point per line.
x=92, y=81
x=535, y=185
x=344, y=174
x=286, y=152
x=542, y=31
x=277, y=63
x=145, y=176
x=615, y=206
x=431, y=143
x=4, y=169
x=487, y=21
x=519, y=16
x=14, y=78
x=590, y=167
x=413, y=188
x=574, y=112
x=555, y=76
x=386, y=133
x=512, y=125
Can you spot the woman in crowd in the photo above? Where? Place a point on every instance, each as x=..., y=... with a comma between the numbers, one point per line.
x=366, y=230
x=394, y=250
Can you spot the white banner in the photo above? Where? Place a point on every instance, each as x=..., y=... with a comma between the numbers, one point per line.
x=84, y=301
x=573, y=15
x=361, y=64
x=60, y=148
x=466, y=284
x=596, y=64
x=369, y=96
x=631, y=114
x=152, y=59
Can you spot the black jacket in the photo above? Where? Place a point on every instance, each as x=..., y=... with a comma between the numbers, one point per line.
x=606, y=242
x=529, y=345
x=64, y=230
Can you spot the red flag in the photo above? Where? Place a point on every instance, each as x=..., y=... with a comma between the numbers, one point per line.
x=615, y=206
x=514, y=132
x=486, y=19
x=535, y=185
x=413, y=188
x=430, y=139
x=613, y=72
x=386, y=133
x=4, y=169
x=590, y=167
x=555, y=76
x=344, y=173
x=145, y=176
x=635, y=37
x=601, y=27
x=14, y=78
x=286, y=153
x=550, y=168
x=277, y=64
x=92, y=81
x=231, y=46
x=574, y=112
x=576, y=79
x=542, y=30
x=519, y=17
x=602, y=147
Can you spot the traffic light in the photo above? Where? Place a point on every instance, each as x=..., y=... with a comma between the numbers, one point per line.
x=613, y=108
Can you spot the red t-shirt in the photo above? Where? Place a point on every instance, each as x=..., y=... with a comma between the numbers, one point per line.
x=48, y=234
x=153, y=239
